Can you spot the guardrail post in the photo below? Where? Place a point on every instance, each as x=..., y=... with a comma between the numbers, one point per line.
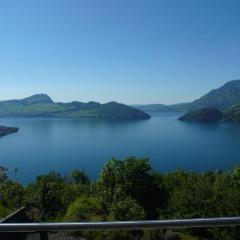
x=43, y=236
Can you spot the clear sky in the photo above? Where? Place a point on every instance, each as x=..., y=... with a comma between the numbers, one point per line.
x=131, y=51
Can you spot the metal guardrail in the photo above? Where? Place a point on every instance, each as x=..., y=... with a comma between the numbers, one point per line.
x=130, y=225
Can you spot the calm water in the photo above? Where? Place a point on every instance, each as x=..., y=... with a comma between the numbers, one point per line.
x=44, y=145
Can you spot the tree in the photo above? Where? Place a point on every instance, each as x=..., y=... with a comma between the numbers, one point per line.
x=11, y=193
x=85, y=209
x=46, y=195
x=3, y=175
x=133, y=178
x=127, y=209
x=79, y=177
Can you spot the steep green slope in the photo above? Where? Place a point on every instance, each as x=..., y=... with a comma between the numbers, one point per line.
x=231, y=114
x=221, y=98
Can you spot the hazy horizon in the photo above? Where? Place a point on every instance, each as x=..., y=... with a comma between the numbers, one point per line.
x=133, y=52
x=79, y=100
x=59, y=99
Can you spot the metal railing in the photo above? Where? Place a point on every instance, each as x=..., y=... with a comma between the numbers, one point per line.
x=129, y=225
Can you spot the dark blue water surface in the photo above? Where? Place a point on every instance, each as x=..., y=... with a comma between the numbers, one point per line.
x=45, y=144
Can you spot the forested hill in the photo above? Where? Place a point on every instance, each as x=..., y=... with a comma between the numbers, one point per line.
x=41, y=105
x=231, y=114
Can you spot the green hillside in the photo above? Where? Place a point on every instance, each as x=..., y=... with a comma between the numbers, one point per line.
x=203, y=115
x=232, y=114
x=221, y=98
x=41, y=105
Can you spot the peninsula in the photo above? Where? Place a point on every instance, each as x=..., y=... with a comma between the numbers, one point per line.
x=212, y=114
x=203, y=115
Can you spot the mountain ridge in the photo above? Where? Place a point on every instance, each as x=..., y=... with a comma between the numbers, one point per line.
x=41, y=105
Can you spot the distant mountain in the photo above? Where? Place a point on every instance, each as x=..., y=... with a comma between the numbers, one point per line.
x=203, y=115
x=41, y=105
x=38, y=98
x=221, y=98
x=35, y=99
x=120, y=111
x=154, y=108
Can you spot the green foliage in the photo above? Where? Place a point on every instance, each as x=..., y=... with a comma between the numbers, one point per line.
x=50, y=195
x=11, y=194
x=85, y=209
x=192, y=196
x=46, y=194
x=127, y=209
x=4, y=211
x=187, y=237
x=130, y=190
x=79, y=177
x=131, y=177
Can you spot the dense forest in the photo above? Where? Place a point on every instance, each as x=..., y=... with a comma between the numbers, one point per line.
x=129, y=190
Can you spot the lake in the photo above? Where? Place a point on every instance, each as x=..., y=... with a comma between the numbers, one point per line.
x=46, y=144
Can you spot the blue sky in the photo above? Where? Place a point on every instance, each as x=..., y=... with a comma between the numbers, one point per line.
x=131, y=51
